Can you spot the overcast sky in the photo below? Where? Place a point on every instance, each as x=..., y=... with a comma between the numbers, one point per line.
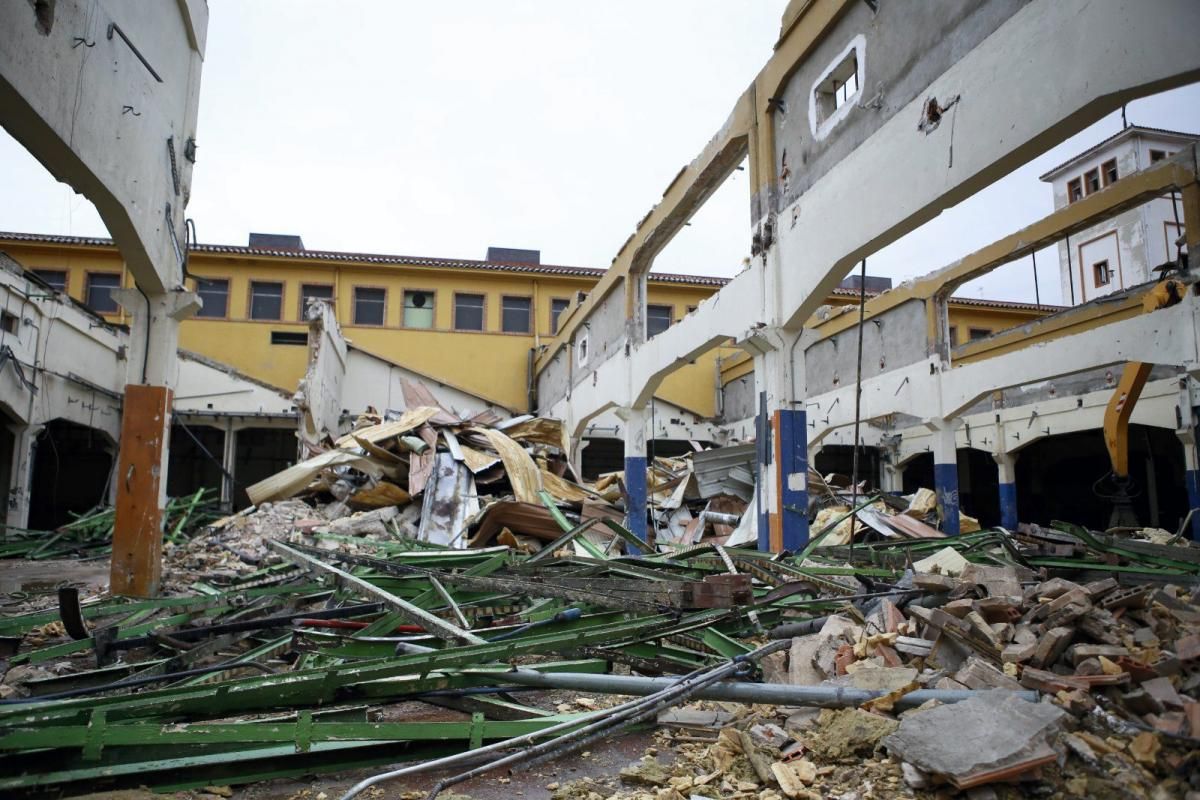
x=437, y=129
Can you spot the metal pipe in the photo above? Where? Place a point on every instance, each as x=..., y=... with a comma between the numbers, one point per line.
x=767, y=693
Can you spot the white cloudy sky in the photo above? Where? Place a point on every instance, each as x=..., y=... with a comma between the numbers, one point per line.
x=441, y=128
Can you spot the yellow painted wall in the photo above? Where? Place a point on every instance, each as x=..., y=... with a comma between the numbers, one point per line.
x=490, y=364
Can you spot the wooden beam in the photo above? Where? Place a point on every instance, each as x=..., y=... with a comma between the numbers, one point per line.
x=137, y=536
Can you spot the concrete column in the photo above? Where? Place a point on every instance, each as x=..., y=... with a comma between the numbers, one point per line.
x=945, y=475
x=229, y=463
x=635, y=472
x=891, y=477
x=1006, y=465
x=24, y=449
x=1191, y=474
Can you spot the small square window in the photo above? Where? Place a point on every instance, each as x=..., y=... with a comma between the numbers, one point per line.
x=658, y=319
x=1074, y=190
x=100, y=286
x=9, y=321
x=313, y=291
x=1157, y=155
x=266, y=300
x=369, y=305
x=1109, y=171
x=468, y=312
x=56, y=278
x=418, y=309
x=1091, y=180
x=1101, y=274
x=975, y=334
x=557, y=306
x=514, y=314
x=214, y=292
x=838, y=87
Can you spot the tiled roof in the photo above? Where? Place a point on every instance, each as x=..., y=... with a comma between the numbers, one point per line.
x=493, y=266
x=376, y=258
x=1130, y=131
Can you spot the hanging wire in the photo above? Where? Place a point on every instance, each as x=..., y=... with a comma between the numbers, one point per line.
x=862, y=312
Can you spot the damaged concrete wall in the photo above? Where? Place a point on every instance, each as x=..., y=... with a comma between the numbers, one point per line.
x=898, y=50
x=893, y=339
x=599, y=339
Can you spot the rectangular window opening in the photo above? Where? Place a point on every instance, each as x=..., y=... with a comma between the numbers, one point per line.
x=953, y=335
x=100, y=286
x=214, y=292
x=8, y=321
x=1101, y=274
x=56, y=278
x=1091, y=179
x=418, y=309
x=468, y=312
x=1074, y=190
x=515, y=314
x=289, y=337
x=557, y=306
x=1109, y=170
x=314, y=291
x=1157, y=155
x=266, y=300
x=658, y=319
x=369, y=305
x=838, y=88
x=975, y=334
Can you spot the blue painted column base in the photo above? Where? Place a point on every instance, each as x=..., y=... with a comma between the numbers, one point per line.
x=945, y=478
x=635, y=488
x=791, y=456
x=1008, y=506
x=1191, y=477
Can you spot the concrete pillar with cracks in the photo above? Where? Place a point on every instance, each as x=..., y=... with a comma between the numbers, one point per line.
x=945, y=474
x=635, y=472
x=1006, y=465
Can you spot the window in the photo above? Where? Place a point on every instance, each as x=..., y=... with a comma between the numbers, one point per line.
x=557, y=306
x=313, y=291
x=514, y=314
x=57, y=278
x=289, y=337
x=975, y=334
x=953, y=336
x=1074, y=190
x=369, y=305
x=838, y=87
x=266, y=300
x=215, y=294
x=1109, y=170
x=658, y=319
x=418, y=309
x=100, y=286
x=1157, y=155
x=1091, y=179
x=1101, y=273
x=468, y=312
x=8, y=322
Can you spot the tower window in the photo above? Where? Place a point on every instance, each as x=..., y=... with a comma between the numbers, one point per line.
x=1109, y=170
x=369, y=305
x=1091, y=179
x=1101, y=273
x=418, y=309
x=215, y=294
x=514, y=314
x=100, y=286
x=468, y=312
x=266, y=300
x=1074, y=190
x=658, y=319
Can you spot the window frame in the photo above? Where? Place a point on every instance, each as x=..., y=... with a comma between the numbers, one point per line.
x=1077, y=183
x=528, y=314
x=66, y=273
x=354, y=306
x=553, y=317
x=1087, y=183
x=1162, y=155
x=250, y=300
x=482, y=313
x=87, y=289
x=670, y=317
x=228, y=292
x=1108, y=274
x=332, y=297
x=1104, y=169
x=983, y=333
x=433, y=326
x=952, y=335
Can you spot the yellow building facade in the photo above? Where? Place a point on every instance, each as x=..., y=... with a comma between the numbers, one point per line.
x=472, y=325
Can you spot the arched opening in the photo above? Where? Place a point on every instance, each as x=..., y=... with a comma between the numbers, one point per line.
x=918, y=473
x=71, y=468
x=839, y=458
x=1057, y=479
x=979, y=486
